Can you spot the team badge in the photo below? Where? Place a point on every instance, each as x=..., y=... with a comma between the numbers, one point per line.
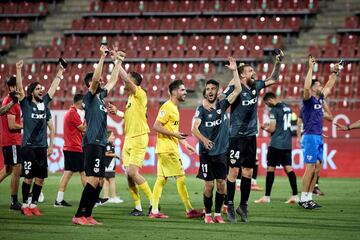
x=244, y=94
x=209, y=115
x=218, y=111
x=253, y=92
x=197, y=113
x=233, y=161
x=205, y=175
x=26, y=172
x=162, y=113
x=96, y=170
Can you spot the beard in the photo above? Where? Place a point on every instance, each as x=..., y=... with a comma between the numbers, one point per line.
x=211, y=100
x=38, y=99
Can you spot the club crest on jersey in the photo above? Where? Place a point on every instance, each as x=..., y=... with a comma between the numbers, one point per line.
x=96, y=170
x=244, y=94
x=218, y=111
x=233, y=161
x=162, y=113
x=253, y=92
x=209, y=115
x=205, y=175
x=317, y=106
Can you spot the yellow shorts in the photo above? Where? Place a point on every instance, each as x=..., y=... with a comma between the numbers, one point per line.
x=169, y=165
x=134, y=150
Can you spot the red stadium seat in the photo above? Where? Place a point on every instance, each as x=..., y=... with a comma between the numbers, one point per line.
x=152, y=23
x=331, y=52
x=183, y=23
x=175, y=68
x=96, y=6
x=208, y=52
x=190, y=68
x=211, y=40
x=244, y=40
x=126, y=6
x=22, y=25
x=54, y=52
x=4, y=43
x=195, y=40
x=240, y=52
x=346, y=79
x=259, y=40
x=349, y=68
x=294, y=23
x=247, y=5
x=25, y=8
x=351, y=22
x=39, y=52
x=245, y=23
x=149, y=41
x=121, y=24
x=349, y=40
x=133, y=42
x=276, y=23
x=85, y=53
x=136, y=24
x=228, y=40
x=344, y=91
x=261, y=23
x=279, y=5
x=167, y=23
x=186, y=6
x=333, y=40
x=153, y=6
x=315, y=51
x=265, y=68
x=10, y=8
x=78, y=24
x=165, y=40
x=69, y=52
x=59, y=41
x=231, y=6
x=162, y=52
x=229, y=23
x=294, y=91
x=143, y=68
x=177, y=52
x=213, y=23
x=197, y=23
x=296, y=5
x=224, y=52
x=347, y=51
x=6, y=25
x=110, y=6
x=73, y=41
x=171, y=6
x=190, y=81
x=107, y=24
x=192, y=52
x=311, y=5
x=88, y=42
x=41, y=8
x=92, y=24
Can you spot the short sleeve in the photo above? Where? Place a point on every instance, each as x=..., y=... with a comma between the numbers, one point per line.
x=163, y=115
x=259, y=84
x=75, y=119
x=199, y=113
x=46, y=99
x=228, y=91
x=224, y=104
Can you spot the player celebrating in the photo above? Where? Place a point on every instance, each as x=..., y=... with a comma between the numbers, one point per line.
x=167, y=149
x=212, y=129
x=243, y=121
x=95, y=139
x=312, y=143
x=74, y=129
x=34, y=141
x=136, y=138
x=279, y=151
x=11, y=143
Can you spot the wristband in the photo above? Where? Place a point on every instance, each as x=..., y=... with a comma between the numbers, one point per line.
x=119, y=113
x=348, y=127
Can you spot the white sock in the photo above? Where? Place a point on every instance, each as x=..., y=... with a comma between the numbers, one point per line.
x=24, y=205
x=217, y=214
x=303, y=197
x=253, y=181
x=138, y=207
x=155, y=211
x=33, y=205
x=309, y=196
x=60, y=196
x=207, y=214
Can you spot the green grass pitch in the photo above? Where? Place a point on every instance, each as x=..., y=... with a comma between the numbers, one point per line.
x=339, y=217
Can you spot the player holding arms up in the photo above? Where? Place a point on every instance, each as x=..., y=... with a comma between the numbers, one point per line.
x=211, y=127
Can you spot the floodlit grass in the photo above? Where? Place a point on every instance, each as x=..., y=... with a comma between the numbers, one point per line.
x=339, y=217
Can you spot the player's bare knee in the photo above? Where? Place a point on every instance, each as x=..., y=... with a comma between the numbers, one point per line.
x=233, y=173
x=28, y=180
x=270, y=169
x=288, y=169
x=39, y=181
x=247, y=172
x=221, y=185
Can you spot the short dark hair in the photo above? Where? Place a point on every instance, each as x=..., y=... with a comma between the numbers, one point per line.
x=212, y=81
x=242, y=67
x=78, y=97
x=11, y=82
x=314, y=81
x=31, y=88
x=175, y=85
x=269, y=95
x=88, y=78
x=138, y=78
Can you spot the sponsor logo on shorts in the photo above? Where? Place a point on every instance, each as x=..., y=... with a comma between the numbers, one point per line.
x=27, y=172
x=233, y=161
x=309, y=157
x=96, y=170
x=205, y=175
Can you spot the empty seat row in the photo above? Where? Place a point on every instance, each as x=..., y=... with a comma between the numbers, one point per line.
x=202, y=5
x=40, y=8
x=9, y=25
x=186, y=23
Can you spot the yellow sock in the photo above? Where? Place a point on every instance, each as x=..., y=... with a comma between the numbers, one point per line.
x=157, y=191
x=147, y=191
x=134, y=191
x=182, y=190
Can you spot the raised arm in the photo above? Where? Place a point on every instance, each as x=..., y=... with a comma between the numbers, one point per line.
x=327, y=112
x=6, y=108
x=98, y=70
x=19, y=83
x=129, y=85
x=236, y=79
x=274, y=77
x=308, y=79
x=55, y=83
x=332, y=79
x=119, y=57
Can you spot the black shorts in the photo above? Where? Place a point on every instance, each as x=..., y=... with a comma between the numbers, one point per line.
x=108, y=175
x=12, y=155
x=213, y=167
x=74, y=161
x=94, y=160
x=35, y=162
x=277, y=157
x=242, y=152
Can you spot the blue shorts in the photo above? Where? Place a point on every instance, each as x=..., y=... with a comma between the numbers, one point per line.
x=312, y=148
